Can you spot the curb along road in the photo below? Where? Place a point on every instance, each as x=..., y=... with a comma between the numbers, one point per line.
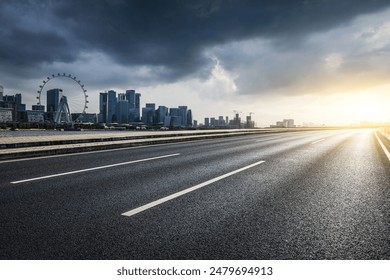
x=384, y=142
x=36, y=146
x=66, y=146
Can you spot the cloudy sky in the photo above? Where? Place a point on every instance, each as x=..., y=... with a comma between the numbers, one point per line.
x=320, y=61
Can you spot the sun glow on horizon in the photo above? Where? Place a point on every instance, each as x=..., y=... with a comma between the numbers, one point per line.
x=369, y=105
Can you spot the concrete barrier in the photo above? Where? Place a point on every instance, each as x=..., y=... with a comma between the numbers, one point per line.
x=64, y=146
x=22, y=147
x=385, y=131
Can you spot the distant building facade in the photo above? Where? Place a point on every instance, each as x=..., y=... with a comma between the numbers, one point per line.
x=38, y=107
x=107, y=107
x=148, y=113
x=13, y=104
x=134, y=105
x=35, y=116
x=84, y=118
x=162, y=113
x=52, y=99
x=122, y=109
x=286, y=123
x=6, y=115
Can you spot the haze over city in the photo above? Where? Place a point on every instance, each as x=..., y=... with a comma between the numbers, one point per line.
x=313, y=61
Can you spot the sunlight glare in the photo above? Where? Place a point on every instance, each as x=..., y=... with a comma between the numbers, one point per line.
x=367, y=106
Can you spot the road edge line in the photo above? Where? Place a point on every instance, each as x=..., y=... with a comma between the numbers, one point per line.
x=387, y=153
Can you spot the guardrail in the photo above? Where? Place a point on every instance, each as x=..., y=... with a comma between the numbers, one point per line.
x=385, y=131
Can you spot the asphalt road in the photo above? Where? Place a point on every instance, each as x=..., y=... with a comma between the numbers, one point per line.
x=296, y=195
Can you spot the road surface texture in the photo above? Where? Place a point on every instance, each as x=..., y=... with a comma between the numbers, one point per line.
x=295, y=195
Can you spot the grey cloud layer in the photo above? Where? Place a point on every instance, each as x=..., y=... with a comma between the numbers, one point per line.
x=170, y=36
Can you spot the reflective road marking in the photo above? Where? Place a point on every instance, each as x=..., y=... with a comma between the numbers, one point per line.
x=383, y=146
x=183, y=192
x=315, y=142
x=93, y=168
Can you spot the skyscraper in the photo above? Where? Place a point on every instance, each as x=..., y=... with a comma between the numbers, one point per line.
x=189, y=118
x=52, y=99
x=148, y=113
x=102, y=117
x=107, y=107
x=206, y=122
x=176, y=117
x=20, y=107
x=162, y=112
x=122, y=109
x=183, y=115
x=137, y=114
x=134, y=105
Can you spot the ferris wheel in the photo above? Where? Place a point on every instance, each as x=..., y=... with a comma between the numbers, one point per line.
x=82, y=97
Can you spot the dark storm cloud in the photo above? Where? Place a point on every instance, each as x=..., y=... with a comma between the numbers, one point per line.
x=34, y=47
x=172, y=35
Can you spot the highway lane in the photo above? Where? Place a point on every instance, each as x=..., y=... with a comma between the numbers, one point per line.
x=318, y=194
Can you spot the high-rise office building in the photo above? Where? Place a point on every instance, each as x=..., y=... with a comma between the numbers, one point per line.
x=183, y=115
x=130, y=97
x=137, y=115
x=176, y=117
x=52, y=99
x=111, y=107
x=122, y=109
x=162, y=112
x=206, y=122
x=249, y=122
x=148, y=113
x=1, y=92
x=102, y=117
x=107, y=107
x=134, y=105
x=221, y=121
x=189, y=118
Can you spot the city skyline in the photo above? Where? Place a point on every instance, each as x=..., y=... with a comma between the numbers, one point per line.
x=114, y=108
x=122, y=108
x=320, y=62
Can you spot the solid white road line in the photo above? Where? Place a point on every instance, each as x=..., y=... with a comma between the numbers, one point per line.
x=315, y=142
x=94, y=152
x=93, y=168
x=268, y=139
x=183, y=192
x=383, y=146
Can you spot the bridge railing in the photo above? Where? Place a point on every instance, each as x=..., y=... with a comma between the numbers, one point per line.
x=385, y=130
